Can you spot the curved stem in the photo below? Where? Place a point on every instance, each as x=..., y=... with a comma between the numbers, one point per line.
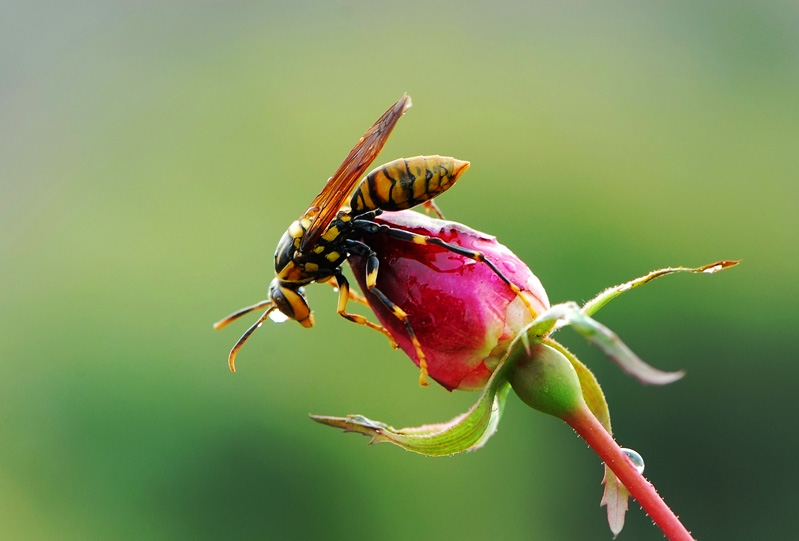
x=592, y=431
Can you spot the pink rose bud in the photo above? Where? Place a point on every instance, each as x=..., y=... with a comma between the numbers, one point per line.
x=463, y=314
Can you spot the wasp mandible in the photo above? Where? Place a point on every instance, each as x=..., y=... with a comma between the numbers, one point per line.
x=316, y=245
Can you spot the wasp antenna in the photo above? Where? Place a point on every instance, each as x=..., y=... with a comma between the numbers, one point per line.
x=231, y=360
x=238, y=313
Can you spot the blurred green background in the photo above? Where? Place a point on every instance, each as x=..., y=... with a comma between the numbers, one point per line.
x=152, y=153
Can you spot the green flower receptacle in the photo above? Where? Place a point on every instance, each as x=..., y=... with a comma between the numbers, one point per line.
x=545, y=380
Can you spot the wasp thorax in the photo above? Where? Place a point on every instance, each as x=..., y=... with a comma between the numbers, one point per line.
x=291, y=302
x=287, y=246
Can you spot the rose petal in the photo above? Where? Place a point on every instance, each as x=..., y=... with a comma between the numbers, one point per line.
x=463, y=314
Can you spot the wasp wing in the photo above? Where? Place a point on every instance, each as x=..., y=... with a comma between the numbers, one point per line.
x=339, y=187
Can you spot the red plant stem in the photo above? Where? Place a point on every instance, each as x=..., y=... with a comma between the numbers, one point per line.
x=591, y=430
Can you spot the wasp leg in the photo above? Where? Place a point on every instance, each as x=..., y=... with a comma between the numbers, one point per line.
x=372, y=265
x=465, y=252
x=344, y=295
x=353, y=295
x=430, y=206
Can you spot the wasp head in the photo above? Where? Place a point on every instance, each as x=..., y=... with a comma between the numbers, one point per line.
x=290, y=300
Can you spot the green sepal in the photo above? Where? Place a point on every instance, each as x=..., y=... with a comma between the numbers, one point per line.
x=569, y=313
x=593, y=306
x=464, y=433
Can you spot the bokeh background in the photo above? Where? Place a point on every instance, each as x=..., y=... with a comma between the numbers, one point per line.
x=152, y=153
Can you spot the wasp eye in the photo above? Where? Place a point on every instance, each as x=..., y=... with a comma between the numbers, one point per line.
x=278, y=296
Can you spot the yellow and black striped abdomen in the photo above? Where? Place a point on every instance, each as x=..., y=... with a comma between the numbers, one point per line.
x=407, y=182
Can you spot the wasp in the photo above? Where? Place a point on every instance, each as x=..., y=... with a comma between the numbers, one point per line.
x=316, y=245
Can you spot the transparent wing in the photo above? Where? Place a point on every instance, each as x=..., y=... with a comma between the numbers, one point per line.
x=340, y=186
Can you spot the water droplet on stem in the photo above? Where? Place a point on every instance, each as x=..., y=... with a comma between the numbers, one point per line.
x=635, y=458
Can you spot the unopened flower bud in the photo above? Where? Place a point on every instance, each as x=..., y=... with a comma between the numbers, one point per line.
x=463, y=314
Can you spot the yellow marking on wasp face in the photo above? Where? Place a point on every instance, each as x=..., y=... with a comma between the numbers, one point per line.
x=333, y=256
x=331, y=233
